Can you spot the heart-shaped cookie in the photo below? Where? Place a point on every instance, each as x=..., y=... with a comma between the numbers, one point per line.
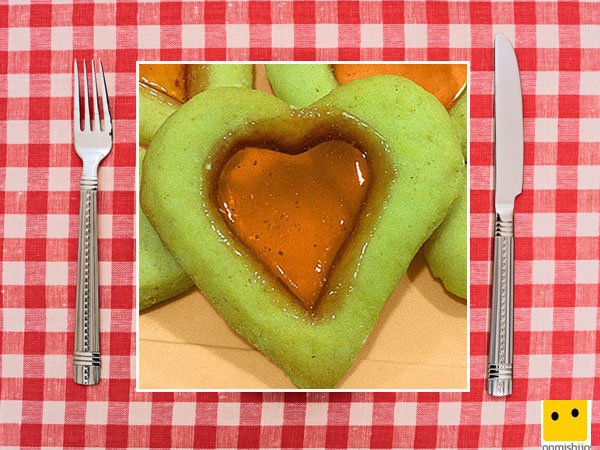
x=416, y=175
x=163, y=89
x=160, y=275
x=449, y=242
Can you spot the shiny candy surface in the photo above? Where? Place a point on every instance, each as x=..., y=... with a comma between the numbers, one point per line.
x=170, y=79
x=294, y=212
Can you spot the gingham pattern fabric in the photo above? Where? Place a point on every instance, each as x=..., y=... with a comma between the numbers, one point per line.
x=558, y=220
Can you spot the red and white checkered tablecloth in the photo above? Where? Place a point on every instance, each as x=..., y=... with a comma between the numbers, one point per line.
x=558, y=220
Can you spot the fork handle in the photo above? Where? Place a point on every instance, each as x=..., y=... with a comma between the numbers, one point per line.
x=86, y=357
x=500, y=366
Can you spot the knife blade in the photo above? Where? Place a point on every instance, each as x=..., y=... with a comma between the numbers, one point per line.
x=508, y=155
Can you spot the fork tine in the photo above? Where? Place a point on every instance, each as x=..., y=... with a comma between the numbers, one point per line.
x=105, y=109
x=86, y=100
x=76, y=116
x=95, y=98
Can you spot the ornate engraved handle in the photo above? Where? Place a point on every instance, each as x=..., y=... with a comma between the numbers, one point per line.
x=86, y=358
x=500, y=367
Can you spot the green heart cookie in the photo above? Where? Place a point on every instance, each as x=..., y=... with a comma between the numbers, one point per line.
x=314, y=349
x=302, y=84
x=160, y=276
x=449, y=242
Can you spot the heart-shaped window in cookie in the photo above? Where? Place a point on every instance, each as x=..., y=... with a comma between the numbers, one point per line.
x=294, y=203
x=294, y=197
x=295, y=212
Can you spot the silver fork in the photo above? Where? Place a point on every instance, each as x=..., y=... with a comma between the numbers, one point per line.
x=92, y=144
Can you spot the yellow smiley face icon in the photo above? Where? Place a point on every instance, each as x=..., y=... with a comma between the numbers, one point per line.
x=565, y=420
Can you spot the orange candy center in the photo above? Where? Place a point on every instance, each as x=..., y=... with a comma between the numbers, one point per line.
x=166, y=78
x=295, y=212
x=445, y=81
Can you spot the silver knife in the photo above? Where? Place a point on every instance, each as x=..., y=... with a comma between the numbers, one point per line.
x=508, y=150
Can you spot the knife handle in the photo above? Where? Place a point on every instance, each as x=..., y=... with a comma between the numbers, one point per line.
x=500, y=366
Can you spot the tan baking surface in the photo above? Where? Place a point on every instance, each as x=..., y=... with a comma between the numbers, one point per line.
x=419, y=342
